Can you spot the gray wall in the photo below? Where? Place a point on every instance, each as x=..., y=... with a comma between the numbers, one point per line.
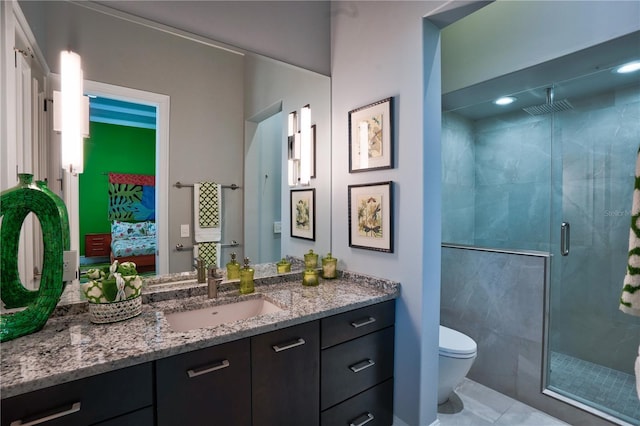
x=508, y=36
x=295, y=32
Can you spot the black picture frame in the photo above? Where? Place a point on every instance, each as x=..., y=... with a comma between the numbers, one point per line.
x=375, y=150
x=371, y=216
x=303, y=213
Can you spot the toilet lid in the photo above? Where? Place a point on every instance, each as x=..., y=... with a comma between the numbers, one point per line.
x=455, y=343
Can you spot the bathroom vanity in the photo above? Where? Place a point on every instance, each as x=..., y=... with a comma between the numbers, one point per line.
x=325, y=358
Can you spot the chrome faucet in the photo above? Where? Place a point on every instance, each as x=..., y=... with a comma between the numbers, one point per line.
x=213, y=281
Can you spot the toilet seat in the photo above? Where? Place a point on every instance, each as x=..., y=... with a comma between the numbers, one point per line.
x=454, y=344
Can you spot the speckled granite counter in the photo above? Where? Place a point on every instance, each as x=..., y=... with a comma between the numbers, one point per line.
x=70, y=347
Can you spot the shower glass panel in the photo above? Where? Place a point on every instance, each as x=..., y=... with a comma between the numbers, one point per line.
x=592, y=345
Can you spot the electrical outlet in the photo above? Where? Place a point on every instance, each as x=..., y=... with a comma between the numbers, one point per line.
x=277, y=227
x=184, y=231
x=69, y=265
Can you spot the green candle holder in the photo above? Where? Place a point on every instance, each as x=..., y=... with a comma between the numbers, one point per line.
x=310, y=278
x=311, y=260
x=283, y=266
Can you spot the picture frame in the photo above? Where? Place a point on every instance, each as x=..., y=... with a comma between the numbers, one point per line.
x=313, y=152
x=371, y=216
x=370, y=137
x=303, y=213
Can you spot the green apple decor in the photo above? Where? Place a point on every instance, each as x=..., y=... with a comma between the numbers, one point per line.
x=15, y=204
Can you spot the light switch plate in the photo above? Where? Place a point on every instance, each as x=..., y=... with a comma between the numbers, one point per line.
x=184, y=230
x=69, y=265
x=277, y=227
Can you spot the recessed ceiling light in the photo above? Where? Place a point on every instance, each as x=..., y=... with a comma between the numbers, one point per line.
x=505, y=100
x=628, y=67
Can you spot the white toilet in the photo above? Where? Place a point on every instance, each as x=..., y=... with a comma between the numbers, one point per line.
x=457, y=353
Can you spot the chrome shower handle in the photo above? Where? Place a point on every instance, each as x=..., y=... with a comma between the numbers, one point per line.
x=565, y=238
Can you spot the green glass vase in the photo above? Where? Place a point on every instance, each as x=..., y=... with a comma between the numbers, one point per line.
x=15, y=204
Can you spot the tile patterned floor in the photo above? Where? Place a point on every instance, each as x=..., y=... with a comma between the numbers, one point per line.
x=609, y=390
x=484, y=406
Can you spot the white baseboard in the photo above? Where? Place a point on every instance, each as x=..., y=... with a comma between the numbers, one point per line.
x=398, y=422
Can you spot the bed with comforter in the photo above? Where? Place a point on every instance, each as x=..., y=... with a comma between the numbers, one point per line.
x=134, y=242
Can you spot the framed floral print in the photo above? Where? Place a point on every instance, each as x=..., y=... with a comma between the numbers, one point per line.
x=370, y=133
x=371, y=216
x=303, y=212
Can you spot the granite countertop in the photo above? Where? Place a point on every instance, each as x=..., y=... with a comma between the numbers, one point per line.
x=70, y=347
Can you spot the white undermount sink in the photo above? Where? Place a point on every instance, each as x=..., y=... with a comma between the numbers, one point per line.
x=220, y=314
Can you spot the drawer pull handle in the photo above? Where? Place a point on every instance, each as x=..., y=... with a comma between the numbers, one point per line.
x=74, y=409
x=362, y=365
x=297, y=342
x=362, y=323
x=367, y=418
x=194, y=373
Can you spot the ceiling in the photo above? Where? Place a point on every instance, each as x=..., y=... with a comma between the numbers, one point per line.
x=578, y=75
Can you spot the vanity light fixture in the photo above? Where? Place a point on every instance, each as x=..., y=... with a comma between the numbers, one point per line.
x=71, y=116
x=299, y=147
x=629, y=67
x=305, y=145
x=504, y=100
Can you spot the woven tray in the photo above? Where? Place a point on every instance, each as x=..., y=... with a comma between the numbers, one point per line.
x=102, y=313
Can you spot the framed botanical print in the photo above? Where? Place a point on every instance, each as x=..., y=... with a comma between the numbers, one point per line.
x=303, y=212
x=370, y=133
x=371, y=216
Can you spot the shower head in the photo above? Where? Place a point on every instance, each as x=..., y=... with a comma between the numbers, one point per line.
x=550, y=106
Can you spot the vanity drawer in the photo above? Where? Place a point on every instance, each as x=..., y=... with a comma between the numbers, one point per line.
x=85, y=401
x=355, y=366
x=373, y=407
x=208, y=384
x=349, y=325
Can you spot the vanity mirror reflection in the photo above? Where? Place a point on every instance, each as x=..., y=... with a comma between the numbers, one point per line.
x=226, y=115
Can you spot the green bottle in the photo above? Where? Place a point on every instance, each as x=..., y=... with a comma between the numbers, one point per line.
x=246, y=278
x=233, y=268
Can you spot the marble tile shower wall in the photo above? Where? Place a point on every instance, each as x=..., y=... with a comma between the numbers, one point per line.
x=496, y=181
x=497, y=299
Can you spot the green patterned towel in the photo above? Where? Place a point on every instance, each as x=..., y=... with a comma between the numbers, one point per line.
x=209, y=253
x=207, y=209
x=630, y=300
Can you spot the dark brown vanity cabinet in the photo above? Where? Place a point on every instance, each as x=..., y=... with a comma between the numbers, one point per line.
x=286, y=376
x=357, y=366
x=206, y=386
x=118, y=398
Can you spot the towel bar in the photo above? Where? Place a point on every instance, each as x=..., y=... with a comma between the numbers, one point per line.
x=179, y=184
x=180, y=247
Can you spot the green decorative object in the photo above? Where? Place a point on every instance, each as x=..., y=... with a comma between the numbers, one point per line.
x=311, y=260
x=329, y=267
x=283, y=266
x=233, y=268
x=15, y=204
x=246, y=278
x=310, y=278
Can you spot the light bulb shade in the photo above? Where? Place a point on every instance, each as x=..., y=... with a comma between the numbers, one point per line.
x=71, y=110
x=305, y=145
x=292, y=124
x=293, y=167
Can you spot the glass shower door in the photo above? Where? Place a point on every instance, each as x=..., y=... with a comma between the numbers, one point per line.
x=591, y=344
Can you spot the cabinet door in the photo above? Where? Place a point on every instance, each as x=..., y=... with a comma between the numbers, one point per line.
x=285, y=376
x=85, y=401
x=207, y=386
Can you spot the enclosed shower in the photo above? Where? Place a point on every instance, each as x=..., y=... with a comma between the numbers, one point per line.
x=551, y=174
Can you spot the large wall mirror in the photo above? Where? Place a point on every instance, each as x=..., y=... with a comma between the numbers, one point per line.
x=227, y=109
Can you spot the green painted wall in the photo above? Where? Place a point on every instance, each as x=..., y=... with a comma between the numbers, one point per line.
x=111, y=148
